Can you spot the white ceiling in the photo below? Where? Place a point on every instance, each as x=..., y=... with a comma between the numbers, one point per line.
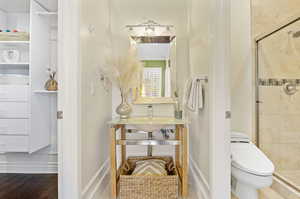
x=24, y=5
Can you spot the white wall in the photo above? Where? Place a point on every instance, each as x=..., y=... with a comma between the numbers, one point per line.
x=242, y=86
x=200, y=61
x=95, y=100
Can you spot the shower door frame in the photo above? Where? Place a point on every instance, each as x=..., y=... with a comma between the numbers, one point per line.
x=257, y=100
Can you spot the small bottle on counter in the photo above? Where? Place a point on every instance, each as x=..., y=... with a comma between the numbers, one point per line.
x=150, y=111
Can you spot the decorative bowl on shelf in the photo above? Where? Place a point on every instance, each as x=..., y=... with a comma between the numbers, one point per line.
x=11, y=56
x=51, y=85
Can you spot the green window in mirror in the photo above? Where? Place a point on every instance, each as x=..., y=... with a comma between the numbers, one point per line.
x=154, y=78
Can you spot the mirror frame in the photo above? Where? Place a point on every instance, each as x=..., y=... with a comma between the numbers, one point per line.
x=138, y=99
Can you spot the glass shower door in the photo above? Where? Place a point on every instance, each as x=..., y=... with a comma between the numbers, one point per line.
x=278, y=116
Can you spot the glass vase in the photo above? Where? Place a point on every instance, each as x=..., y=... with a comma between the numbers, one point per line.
x=124, y=109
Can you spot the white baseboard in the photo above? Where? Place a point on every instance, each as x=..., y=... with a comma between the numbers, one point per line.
x=198, y=181
x=28, y=167
x=98, y=182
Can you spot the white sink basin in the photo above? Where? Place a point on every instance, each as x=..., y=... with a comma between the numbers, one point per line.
x=149, y=124
x=148, y=127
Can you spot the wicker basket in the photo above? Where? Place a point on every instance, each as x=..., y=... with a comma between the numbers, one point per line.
x=148, y=187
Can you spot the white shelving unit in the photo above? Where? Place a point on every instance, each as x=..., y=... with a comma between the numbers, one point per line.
x=15, y=42
x=28, y=112
x=44, y=92
x=46, y=13
x=15, y=64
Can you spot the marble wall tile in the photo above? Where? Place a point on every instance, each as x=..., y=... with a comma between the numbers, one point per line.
x=272, y=151
x=270, y=128
x=267, y=13
x=289, y=137
x=289, y=157
x=291, y=123
x=278, y=54
x=270, y=98
x=290, y=104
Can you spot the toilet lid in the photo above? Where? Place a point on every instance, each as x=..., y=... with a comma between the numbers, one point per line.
x=239, y=137
x=247, y=157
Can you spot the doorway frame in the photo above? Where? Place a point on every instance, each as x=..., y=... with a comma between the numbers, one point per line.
x=69, y=128
x=219, y=102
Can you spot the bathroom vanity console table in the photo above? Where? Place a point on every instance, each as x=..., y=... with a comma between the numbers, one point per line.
x=149, y=124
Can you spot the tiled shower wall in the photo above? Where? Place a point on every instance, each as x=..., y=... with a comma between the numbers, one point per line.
x=279, y=127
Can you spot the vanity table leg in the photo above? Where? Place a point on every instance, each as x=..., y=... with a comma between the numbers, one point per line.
x=185, y=162
x=177, y=147
x=123, y=147
x=113, y=163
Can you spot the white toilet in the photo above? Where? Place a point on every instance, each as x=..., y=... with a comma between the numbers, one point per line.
x=250, y=168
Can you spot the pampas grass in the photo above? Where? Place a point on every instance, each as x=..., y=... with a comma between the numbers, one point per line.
x=124, y=71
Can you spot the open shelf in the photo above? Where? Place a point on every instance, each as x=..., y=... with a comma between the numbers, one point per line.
x=44, y=92
x=14, y=42
x=46, y=13
x=23, y=44
x=15, y=64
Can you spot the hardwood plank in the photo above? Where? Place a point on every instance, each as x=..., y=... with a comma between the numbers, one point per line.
x=28, y=186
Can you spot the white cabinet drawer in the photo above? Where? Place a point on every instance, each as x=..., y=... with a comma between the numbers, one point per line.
x=14, y=126
x=14, y=93
x=14, y=110
x=10, y=143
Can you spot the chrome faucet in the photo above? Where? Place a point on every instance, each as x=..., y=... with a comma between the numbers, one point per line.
x=150, y=134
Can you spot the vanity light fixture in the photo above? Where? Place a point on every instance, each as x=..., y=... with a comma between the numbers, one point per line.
x=149, y=26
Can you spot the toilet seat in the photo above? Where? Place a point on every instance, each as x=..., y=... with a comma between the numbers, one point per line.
x=247, y=157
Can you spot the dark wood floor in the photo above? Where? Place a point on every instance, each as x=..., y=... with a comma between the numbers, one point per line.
x=28, y=186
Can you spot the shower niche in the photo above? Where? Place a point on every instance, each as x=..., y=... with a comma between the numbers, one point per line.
x=278, y=100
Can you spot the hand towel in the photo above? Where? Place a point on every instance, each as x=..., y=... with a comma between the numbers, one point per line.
x=200, y=96
x=194, y=95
